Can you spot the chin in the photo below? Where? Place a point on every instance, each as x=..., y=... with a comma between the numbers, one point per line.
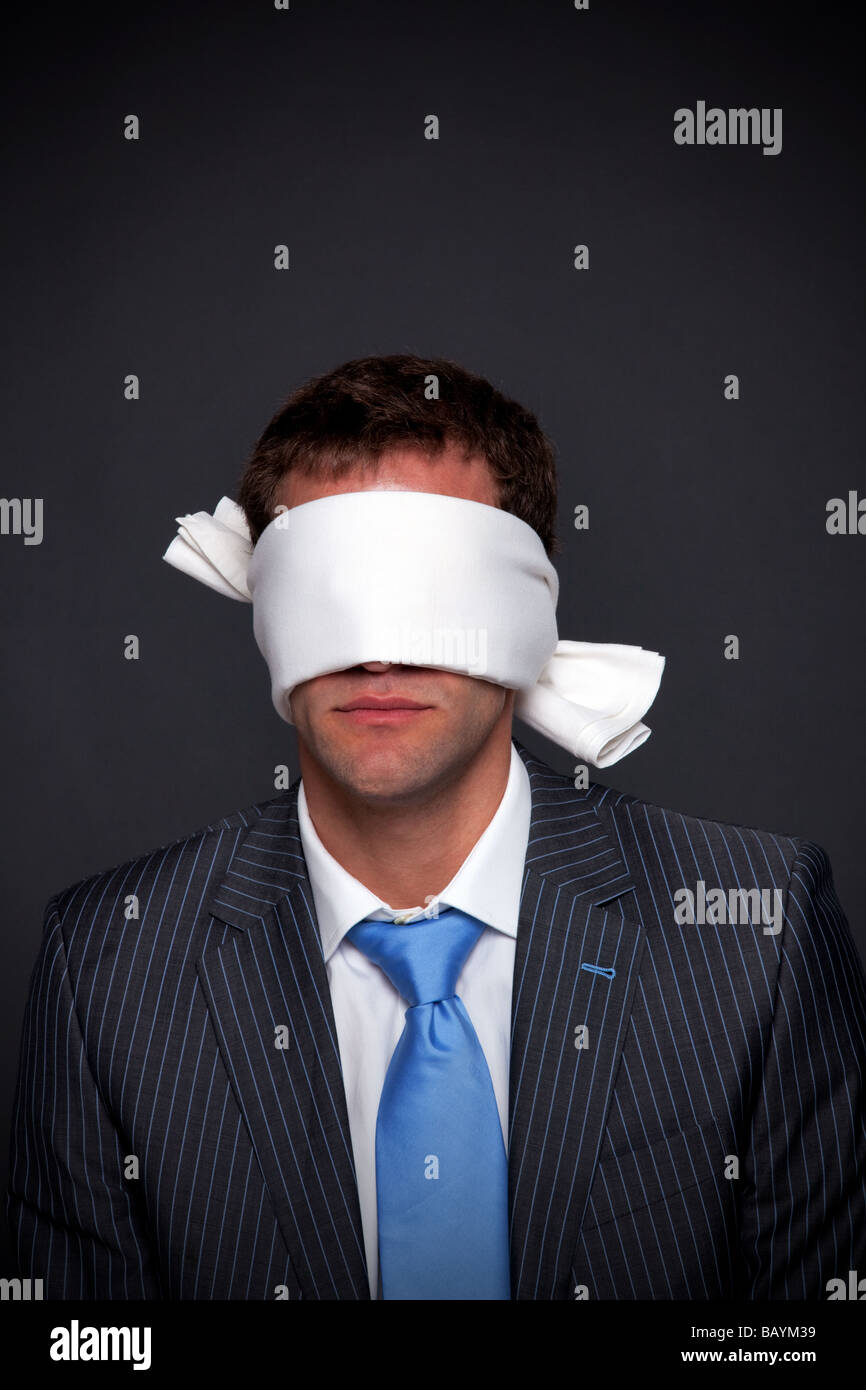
x=389, y=766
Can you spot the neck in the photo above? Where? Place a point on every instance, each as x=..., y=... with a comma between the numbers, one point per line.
x=407, y=854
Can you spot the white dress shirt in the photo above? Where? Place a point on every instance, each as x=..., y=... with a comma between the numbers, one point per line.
x=369, y=1012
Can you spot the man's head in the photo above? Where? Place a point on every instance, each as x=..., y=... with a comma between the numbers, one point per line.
x=372, y=424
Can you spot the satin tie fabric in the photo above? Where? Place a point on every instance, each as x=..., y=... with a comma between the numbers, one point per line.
x=441, y=1166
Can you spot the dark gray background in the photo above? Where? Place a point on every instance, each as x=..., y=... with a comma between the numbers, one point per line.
x=306, y=127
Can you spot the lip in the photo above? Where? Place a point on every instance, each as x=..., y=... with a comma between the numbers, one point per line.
x=379, y=702
x=382, y=710
x=383, y=716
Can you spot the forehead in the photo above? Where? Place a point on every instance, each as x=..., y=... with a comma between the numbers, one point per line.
x=406, y=469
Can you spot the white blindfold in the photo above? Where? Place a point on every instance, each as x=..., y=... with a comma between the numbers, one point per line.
x=423, y=579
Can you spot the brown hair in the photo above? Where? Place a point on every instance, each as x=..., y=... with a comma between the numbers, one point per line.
x=353, y=415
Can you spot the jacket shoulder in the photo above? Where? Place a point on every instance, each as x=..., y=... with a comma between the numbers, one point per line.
x=726, y=848
x=193, y=860
x=621, y=808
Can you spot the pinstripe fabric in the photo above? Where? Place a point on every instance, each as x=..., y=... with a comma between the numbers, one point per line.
x=155, y=1038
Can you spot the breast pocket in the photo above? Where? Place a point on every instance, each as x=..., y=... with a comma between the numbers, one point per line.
x=626, y=1182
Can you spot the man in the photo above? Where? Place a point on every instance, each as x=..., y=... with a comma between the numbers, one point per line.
x=623, y=1090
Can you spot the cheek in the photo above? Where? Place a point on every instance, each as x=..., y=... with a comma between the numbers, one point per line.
x=299, y=698
x=482, y=696
x=309, y=696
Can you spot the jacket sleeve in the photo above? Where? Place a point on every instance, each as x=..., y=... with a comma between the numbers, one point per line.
x=803, y=1214
x=75, y=1223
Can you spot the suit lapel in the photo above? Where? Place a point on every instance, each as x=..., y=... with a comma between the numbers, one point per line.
x=576, y=910
x=267, y=975
x=568, y=1022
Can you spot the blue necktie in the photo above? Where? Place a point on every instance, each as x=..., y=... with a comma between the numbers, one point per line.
x=441, y=1167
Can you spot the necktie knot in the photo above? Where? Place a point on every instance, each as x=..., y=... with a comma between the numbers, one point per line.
x=423, y=959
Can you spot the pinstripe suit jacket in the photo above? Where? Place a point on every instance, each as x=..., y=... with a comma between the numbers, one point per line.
x=153, y=1039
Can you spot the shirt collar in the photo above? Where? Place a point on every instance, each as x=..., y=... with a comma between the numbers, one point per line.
x=487, y=884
